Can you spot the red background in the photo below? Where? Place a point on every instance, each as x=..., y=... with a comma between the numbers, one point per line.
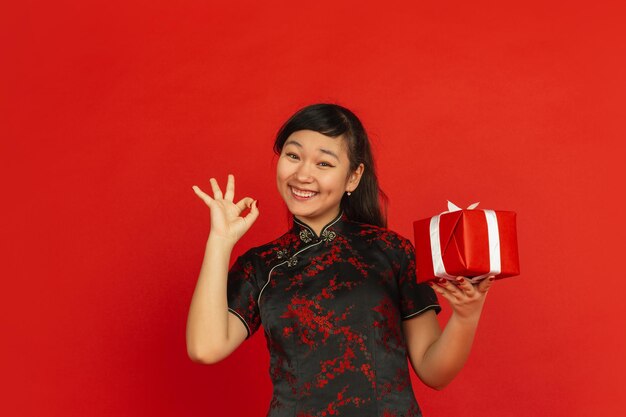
x=110, y=111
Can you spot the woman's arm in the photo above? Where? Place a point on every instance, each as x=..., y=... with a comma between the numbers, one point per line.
x=209, y=324
x=212, y=332
x=436, y=356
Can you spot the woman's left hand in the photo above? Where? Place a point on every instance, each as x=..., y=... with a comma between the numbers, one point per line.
x=466, y=299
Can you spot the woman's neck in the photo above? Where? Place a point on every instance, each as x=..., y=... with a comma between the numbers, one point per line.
x=318, y=224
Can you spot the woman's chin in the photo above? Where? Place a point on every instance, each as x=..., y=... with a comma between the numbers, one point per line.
x=298, y=211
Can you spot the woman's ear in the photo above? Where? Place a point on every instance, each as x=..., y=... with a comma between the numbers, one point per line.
x=355, y=177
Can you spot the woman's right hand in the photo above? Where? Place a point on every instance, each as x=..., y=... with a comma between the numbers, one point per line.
x=226, y=220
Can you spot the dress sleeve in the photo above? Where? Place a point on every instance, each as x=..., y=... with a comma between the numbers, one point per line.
x=242, y=293
x=414, y=298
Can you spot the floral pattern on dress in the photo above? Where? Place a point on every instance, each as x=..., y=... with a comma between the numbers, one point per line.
x=332, y=307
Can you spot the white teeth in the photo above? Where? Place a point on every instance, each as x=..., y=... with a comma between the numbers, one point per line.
x=302, y=193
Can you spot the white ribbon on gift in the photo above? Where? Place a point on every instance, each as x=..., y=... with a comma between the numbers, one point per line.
x=495, y=266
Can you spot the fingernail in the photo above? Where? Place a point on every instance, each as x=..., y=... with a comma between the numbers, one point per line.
x=442, y=281
x=492, y=278
x=459, y=279
x=256, y=203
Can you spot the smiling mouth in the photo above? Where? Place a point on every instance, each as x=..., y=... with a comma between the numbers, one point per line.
x=302, y=194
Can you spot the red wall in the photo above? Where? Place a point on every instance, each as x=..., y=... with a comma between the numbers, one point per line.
x=110, y=112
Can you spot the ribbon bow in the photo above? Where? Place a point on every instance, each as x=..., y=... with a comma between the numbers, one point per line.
x=492, y=233
x=453, y=207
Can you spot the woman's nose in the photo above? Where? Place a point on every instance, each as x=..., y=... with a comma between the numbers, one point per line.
x=303, y=173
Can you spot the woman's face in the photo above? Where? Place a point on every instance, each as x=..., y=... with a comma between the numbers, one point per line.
x=312, y=176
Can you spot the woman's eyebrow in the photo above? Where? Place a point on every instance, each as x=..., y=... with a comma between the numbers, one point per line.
x=299, y=145
x=331, y=153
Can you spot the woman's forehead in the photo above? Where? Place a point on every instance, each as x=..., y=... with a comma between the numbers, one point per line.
x=312, y=140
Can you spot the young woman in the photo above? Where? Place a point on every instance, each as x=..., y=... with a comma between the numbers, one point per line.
x=337, y=293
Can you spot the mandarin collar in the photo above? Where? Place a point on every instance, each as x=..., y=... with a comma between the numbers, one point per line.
x=328, y=233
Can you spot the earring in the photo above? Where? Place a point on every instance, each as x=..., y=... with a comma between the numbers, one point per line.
x=349, y=193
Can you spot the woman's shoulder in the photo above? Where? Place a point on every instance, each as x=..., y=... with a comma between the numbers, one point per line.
x=380, y=234
x=262, y=251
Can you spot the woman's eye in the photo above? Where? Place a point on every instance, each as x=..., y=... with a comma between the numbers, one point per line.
x=290, y=155
x=327, y=164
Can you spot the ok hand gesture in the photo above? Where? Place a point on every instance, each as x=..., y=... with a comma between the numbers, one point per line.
x=226, y=220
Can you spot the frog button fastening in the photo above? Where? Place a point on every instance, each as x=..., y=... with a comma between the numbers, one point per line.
x=306, y=235
x=328, y=235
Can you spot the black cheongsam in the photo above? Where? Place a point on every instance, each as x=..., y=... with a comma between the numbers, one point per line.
x=331, y=307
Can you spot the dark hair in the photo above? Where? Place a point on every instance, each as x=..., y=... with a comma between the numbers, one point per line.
x=364, y=204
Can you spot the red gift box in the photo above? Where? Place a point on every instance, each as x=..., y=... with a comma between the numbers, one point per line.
x=470, y=243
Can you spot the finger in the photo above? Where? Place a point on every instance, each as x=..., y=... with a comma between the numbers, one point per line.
x=244, y=203
x=205, y=197
x=252, y=216
x=464, y=285
x=449, y=287
x=485, y=284
x=217, y=192
x=443, y=291
x=230, y=188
